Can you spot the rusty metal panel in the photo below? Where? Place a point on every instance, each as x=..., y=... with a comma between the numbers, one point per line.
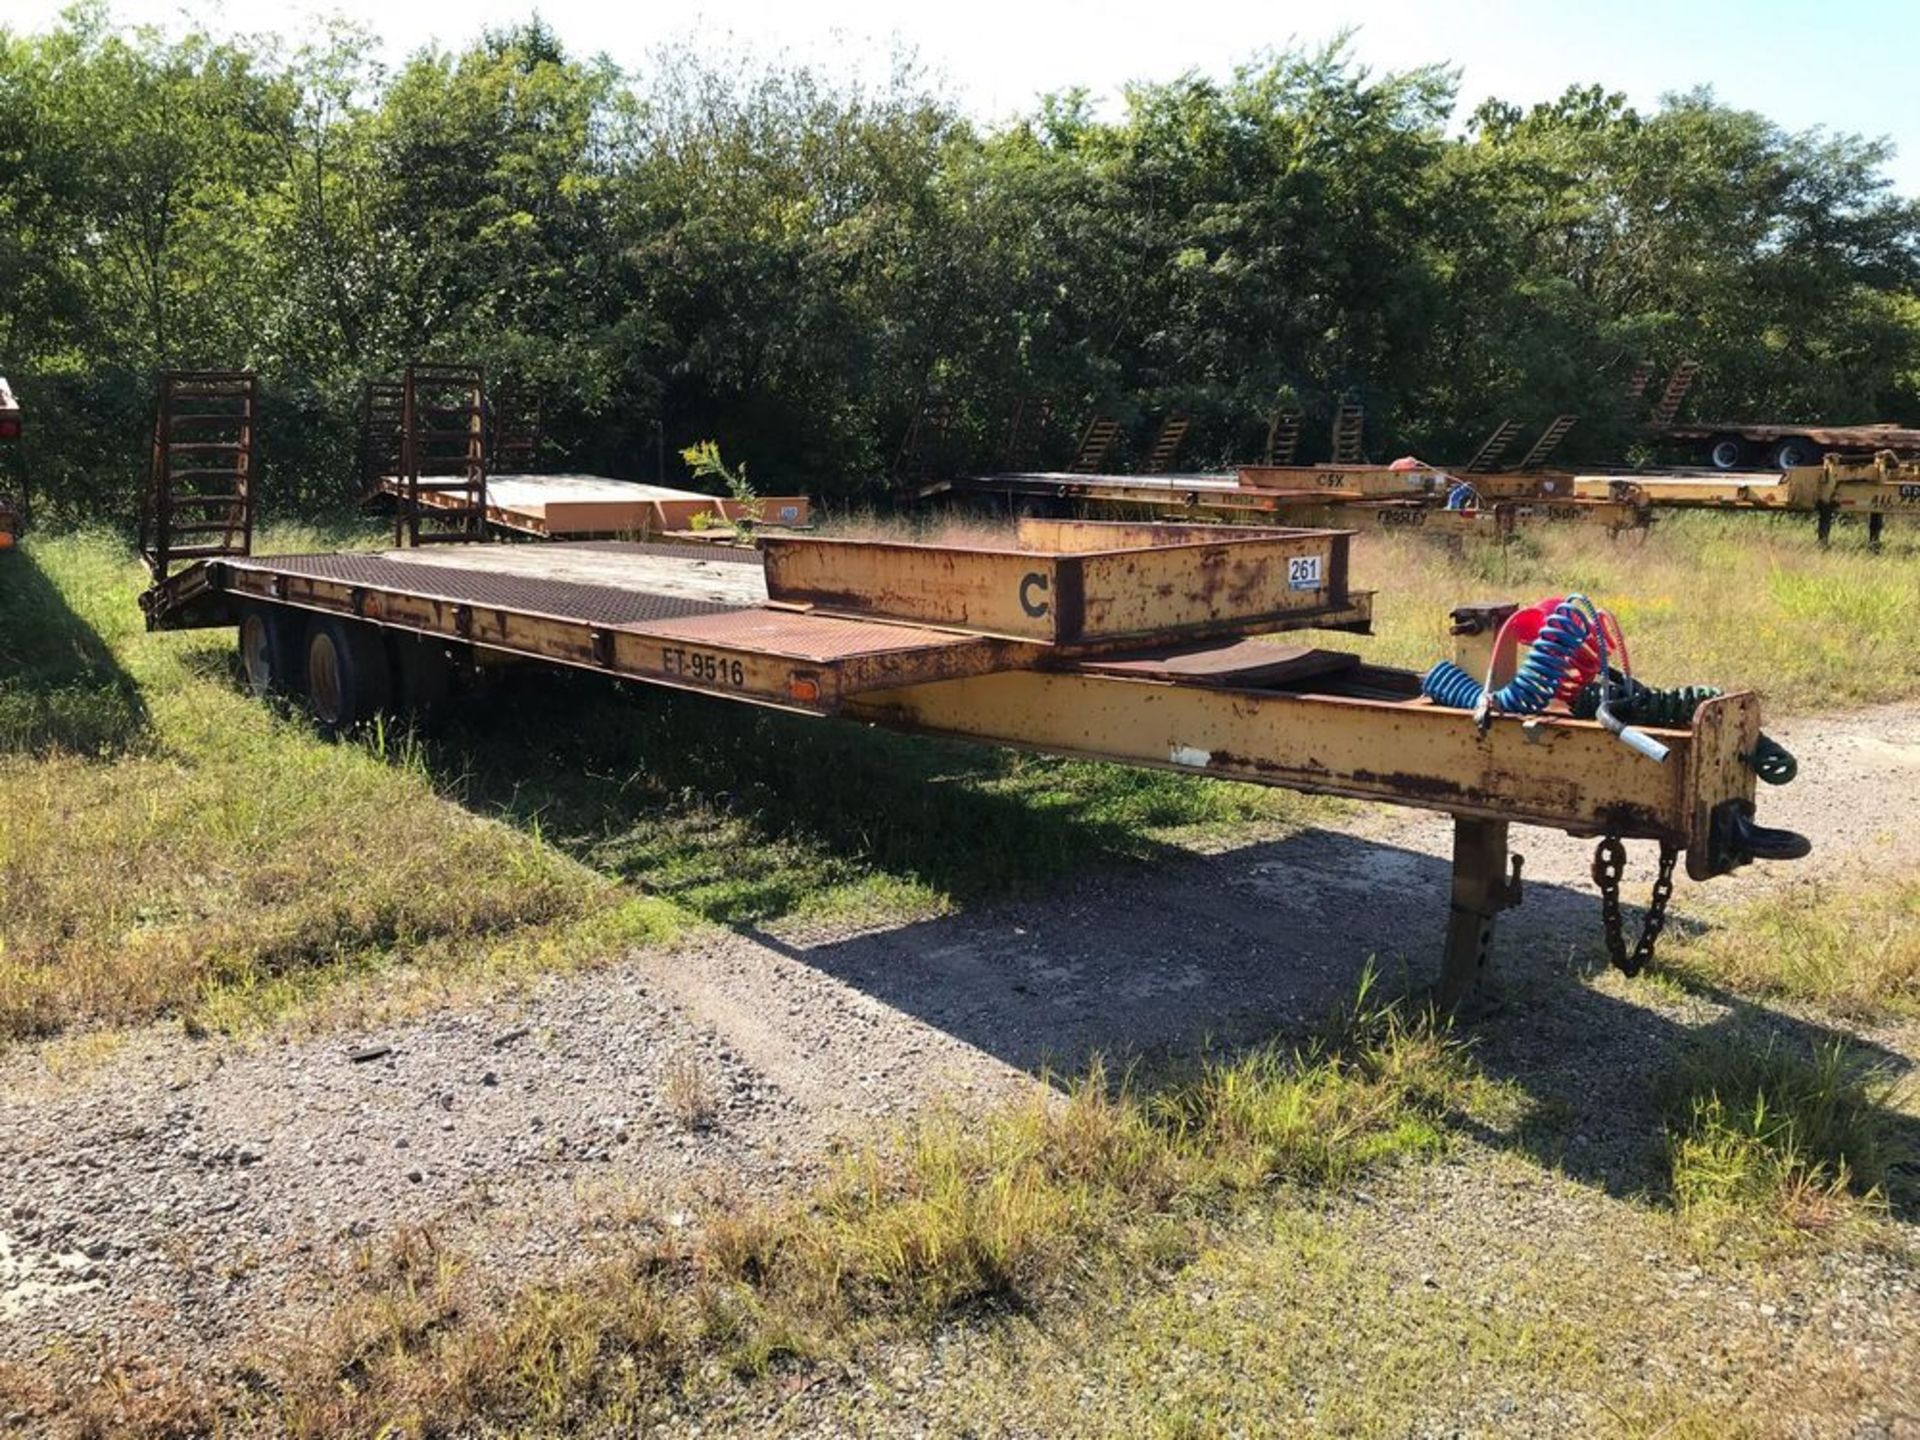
x=1093, y=536
x=1000, y=592
x=1351, y=480
x=821, y=638
x=1724, y=729
x=1157, y=590
x=1212, y=582
x=1251, y=663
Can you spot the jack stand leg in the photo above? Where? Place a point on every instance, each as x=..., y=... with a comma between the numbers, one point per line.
x=1876, y=522
x=1481, y=890
x=1823, y=524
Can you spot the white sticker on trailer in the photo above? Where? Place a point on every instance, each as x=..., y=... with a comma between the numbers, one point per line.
x=1303, y=572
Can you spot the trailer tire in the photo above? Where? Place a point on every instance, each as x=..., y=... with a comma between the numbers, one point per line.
x=1795, y=452
x=271, y=656
x=1726, y=452
x=347, y=679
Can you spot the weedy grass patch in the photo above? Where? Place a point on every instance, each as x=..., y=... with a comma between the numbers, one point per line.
x=170, y=847
x=956, y=1217
x=1767, y=1142
x=1744, y=602
x=1850, y=945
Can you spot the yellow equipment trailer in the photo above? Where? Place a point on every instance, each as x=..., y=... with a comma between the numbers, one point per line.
x=1361, y=497
x=1869, y=488
x=1143, y=644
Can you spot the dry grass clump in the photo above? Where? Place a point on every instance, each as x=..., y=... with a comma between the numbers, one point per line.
x=689, y=1092
x=1849, y=944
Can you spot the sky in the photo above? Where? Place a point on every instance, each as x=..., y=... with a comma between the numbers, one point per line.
x=1802, y=63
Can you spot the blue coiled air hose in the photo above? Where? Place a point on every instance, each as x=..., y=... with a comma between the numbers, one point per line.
x=1571, y=623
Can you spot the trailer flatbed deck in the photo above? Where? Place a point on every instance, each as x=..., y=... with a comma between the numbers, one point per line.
x=1137, y=643
x=563, y=507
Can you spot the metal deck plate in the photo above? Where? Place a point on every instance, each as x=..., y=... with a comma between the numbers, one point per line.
x=592, y=604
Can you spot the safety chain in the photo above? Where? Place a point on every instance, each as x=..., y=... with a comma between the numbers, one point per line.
x=1609, y=865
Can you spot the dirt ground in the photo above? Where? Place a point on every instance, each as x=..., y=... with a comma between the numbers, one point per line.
x=180, y=1194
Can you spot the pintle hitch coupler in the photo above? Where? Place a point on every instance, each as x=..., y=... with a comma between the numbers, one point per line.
x=1736, y=838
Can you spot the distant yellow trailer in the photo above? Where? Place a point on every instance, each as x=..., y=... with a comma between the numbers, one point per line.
x=1361, y=497
x=1876, y=488
x=593, y=507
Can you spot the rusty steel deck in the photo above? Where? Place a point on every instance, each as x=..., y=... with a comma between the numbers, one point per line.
x=804, y=623
x=565, y=507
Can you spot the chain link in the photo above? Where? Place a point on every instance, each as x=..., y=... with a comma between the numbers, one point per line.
x=1609, y=866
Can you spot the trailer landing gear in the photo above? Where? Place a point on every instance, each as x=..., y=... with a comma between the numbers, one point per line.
x=1483, y=886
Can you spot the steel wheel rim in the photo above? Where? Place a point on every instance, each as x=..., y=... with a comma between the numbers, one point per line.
x=323, y=680
x=1726, y=455
x=256, y=657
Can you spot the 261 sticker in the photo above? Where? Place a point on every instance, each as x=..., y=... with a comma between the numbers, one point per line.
x=1303, y=572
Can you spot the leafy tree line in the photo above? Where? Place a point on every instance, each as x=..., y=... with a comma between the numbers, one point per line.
x=795, y=264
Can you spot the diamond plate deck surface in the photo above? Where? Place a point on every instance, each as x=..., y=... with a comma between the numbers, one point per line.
x=608, y=605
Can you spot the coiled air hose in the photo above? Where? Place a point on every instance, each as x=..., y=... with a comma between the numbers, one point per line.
x=1567, y=661
x=1570, y=649
x=1673, y=707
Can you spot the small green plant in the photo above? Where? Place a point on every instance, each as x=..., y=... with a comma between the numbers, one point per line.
x=703, y=458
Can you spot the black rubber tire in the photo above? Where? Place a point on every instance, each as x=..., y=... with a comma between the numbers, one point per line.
x=422, y=674
x=272, y=657
x=1726, y=453
x=347, y=674
x=1794, y=453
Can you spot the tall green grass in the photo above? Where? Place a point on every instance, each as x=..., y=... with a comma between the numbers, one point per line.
x=1745, y=602
x=1767, y=1139
x=1850, y=944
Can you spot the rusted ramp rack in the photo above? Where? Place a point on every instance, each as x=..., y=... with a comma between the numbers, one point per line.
x=587, y=507
x=1136, y=643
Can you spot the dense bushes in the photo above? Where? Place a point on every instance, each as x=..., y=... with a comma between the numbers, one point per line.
x=790, y=263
